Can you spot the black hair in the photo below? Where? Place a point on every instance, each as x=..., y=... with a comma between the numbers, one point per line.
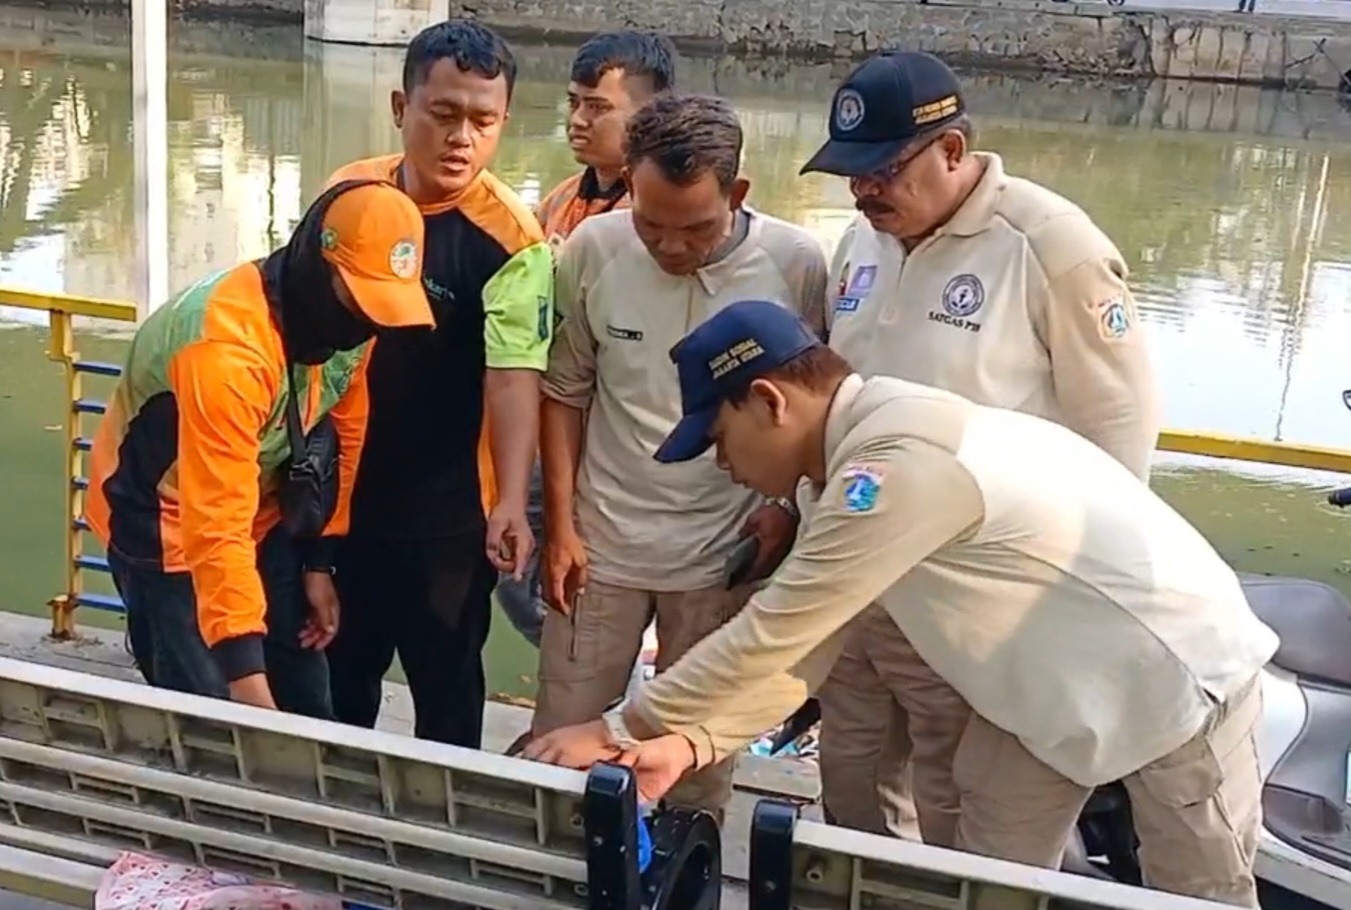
x=646, y=55
x=474, y=48
x=818, y=370
x=687, y=136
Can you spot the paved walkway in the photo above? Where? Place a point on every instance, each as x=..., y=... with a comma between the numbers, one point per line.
x=11, y=901
x=1320, y=9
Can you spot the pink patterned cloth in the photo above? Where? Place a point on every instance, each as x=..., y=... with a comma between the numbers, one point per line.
x=138, y=882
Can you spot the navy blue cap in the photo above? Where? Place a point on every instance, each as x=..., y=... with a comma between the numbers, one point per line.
x=720, y=357
x=887, y=102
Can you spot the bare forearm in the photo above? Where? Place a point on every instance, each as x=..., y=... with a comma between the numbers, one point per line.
x=512, y=398
x=560, y=454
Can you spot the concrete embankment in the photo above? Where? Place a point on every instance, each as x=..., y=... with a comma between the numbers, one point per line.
x=1042, y=35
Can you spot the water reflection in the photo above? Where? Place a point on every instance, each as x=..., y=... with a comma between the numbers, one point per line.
x=1230, y=205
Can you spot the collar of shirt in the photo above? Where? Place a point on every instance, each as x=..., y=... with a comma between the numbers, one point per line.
x=724, y=261
x=972, y=216
x=838, y=423
x=589, y=188
x=975, y=214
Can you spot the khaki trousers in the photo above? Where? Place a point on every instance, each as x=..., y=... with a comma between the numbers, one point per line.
x=882, y=708
x=1197, y=810
x=585, y=660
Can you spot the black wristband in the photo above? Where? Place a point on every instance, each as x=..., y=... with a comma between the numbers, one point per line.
x=240, y=657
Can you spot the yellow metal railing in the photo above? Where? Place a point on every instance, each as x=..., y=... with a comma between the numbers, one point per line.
x=61, y=309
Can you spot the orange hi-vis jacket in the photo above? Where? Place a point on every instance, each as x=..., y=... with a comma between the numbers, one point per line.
x=184, y=466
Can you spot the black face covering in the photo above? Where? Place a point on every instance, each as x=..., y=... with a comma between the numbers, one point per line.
x=314, y=322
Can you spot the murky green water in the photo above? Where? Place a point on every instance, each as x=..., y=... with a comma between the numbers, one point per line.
x=1232, y=206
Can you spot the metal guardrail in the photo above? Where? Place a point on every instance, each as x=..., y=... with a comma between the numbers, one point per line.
x=382, y=820
x=62, y=309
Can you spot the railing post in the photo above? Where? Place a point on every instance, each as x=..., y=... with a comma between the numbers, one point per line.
x=62, y=351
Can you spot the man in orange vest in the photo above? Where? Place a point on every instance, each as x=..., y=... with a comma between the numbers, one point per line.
x=193, y=485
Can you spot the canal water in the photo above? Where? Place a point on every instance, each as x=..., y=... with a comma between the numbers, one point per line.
x=1232, y=207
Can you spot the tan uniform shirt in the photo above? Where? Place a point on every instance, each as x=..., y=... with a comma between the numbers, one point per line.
x=1019, y=302
x=651, y=526
x=1066, y=602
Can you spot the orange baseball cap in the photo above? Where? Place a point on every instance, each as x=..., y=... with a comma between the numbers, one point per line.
x=373, y=235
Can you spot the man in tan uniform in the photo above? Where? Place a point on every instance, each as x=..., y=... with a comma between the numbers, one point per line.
x=628, y=539
x=613, y=74
x=959, y=276
x=1096, y=634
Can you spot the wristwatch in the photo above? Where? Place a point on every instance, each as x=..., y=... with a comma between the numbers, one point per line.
x=786, y=504
x=618, y=729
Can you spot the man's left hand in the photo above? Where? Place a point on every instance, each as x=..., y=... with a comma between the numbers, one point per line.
x=775, y=529
x=658, y=764
x=579, y=746
x=509, y=541
x=322, y=625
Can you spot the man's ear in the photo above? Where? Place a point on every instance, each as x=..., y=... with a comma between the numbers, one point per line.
x=398, y=103
x=771, y=398
x=740, y=187
x=954, y=148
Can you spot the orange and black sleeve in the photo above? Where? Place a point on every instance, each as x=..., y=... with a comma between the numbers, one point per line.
x=224, y=392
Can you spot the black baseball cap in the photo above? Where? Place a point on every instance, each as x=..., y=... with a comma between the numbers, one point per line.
x=887, y=102
x=737, y=344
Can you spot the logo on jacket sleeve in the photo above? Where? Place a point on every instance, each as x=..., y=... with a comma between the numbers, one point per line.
x=854, y=289
x=862, y=483
x=1114, y=320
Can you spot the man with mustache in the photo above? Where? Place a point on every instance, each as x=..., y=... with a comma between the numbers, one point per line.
x=440, y=509
x=960, y=276
x=630, y=540
x=613, y=74
x=227, y=594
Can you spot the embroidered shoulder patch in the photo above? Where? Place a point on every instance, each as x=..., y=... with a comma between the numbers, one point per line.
x=862, y=483
x=1114, y=320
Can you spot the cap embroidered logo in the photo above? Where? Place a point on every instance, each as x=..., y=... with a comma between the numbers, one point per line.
x=403, y=259
x=848, y=110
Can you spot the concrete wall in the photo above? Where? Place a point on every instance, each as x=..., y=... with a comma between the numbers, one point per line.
x=1086, y=38
x=218, y=51
x=1039, y=35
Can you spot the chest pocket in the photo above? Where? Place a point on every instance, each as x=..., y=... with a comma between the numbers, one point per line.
x=630, y=355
